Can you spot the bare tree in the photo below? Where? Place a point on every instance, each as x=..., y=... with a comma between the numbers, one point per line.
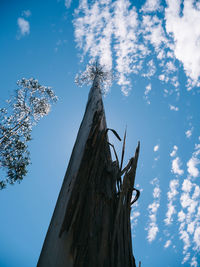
x=91, y=221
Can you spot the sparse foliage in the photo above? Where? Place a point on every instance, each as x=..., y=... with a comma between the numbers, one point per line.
x=30, y=103
x=94, y=69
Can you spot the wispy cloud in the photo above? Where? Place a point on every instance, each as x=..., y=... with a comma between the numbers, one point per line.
x=135, y=213
x=167, y=244
x=189, y=216
x=173, y=153
x=171, y=195
x=26, y=13
x=188, y=133
x=24, y=26
x=118, y=36
x=68, y=3
x=146, y=93
x=151, y=5
x=197, y=237
x=156, y=148
x=194, y=262
x=152, y=228
x=189, y=222
x=171, y=107
x=188, y=208
x=93, y=31
x=151, y=69
x=125, y=25
x=136, y=43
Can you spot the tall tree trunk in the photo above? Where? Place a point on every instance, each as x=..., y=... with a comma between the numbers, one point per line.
x=91, y=222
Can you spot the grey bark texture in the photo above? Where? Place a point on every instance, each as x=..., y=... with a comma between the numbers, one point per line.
x=90, y=226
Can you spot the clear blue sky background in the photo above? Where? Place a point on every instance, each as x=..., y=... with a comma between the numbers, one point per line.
x=158, y=107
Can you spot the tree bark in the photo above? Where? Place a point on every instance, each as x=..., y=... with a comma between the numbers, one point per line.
x=91, y=222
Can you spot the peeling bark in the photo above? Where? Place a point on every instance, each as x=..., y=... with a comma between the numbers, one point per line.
x=97, y=213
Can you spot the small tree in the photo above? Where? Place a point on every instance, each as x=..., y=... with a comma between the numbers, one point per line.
x=30, y=103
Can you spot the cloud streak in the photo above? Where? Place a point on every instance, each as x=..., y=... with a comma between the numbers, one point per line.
x=188, y=210
x=152, y=228
x=171, y=195
x=118, y=36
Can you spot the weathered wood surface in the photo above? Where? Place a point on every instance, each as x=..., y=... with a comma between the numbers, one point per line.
x=91, y=222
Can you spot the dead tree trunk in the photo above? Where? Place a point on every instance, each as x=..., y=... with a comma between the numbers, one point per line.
x=91, y=222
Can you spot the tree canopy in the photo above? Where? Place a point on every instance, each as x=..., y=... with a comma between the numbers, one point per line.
x=29, y=104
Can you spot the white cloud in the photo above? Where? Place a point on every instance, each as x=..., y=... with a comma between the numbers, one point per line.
x=167, y=244
x=151, y=5
x=152, y=228
x=186, y=42
x=176, y=164
x=26, y=13
x=190, y=219
x=173, y=189
x=137, y=42
x=23, y=26
x=156, y=147
x=194, y=262
x=197, y=238
x=161, y=77
x=186, y=239
x=173, y=153
x=68, y=3
x=153, y=207
x=173, y=108
x=196, y=193
x=189, y=216
x=135, y=215
x=152, y=232
x=192, y=207
x=197, y=148
x=124, y=29
x=151, y=69
x=156, y=192
x=187, y=185
x=153, y=32
x=190, y=228
x=170, y=66
x=171, y=197
x=186, y=258
x=134, y=218
x=192, y=169
x=193, y=162
x=148, y=89
x=146, y=92
x=170, y=211
x=181, y=216
x=104, y=24
x=188, y=133
x=185, y=200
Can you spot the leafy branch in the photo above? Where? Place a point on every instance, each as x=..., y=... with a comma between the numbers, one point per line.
x=30, y=103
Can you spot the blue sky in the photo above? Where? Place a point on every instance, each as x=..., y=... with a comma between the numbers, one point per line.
x=153, y=47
